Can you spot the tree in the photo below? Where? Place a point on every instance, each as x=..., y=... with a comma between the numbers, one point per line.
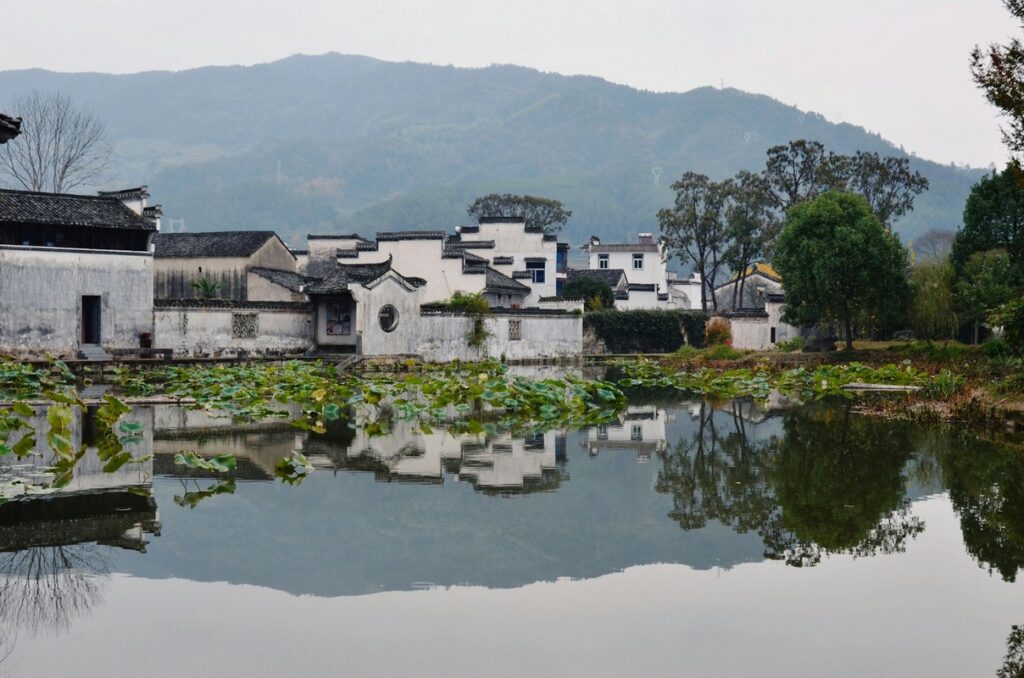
x=750, y=226
x=983, y=286
x=802, y=170
x=999, y=71
x=933, y=306
x=838, y=262
x=694, y=228
x=994, y=219
x=539, y=213
x=61, y=147
x=596, y=294
x=888, y=184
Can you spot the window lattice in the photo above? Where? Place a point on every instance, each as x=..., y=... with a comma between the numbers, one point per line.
x=515, y=330
x=244, y=325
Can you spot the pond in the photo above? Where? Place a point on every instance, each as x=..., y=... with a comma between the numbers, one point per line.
x=685, y=538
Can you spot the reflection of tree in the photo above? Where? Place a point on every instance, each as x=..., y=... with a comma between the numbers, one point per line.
x=834, y=483
x=47, y=587
x=1013, y=662
x=986, y=485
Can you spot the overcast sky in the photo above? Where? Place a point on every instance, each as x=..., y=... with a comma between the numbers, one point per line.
x=898, y=67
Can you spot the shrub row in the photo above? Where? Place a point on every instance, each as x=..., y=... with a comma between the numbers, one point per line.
x=646, y=331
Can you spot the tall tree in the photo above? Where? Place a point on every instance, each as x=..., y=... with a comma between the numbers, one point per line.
x=933, y=307
x=994, y=218
x=999, y=71
x=751, y=226
x=839, y=262
x=802, y=170
x=935, y=244
x=888, y=184
x=60, y=148
x=694, y=228
x=983, y=286
x=543, y=213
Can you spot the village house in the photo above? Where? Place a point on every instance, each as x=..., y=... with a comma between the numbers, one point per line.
x=229, y=261
x=512, y=265
x=337, y=303
x=76, y=272
x=649, y=284
x=754, y=304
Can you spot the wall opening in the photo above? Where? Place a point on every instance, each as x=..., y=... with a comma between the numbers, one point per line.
x=92, y=307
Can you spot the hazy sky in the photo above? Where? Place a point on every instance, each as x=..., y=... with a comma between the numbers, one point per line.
x=898, y=67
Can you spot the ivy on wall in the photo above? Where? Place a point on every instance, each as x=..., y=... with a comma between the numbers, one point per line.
x=643, y=331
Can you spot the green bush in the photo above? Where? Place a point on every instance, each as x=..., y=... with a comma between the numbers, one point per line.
x=1010, y=316
x=790, y=345
x=646, y=331
x=597, y=295
x=722, y=352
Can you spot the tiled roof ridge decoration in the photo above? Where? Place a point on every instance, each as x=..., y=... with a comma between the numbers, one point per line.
x=342, y=275
x=328, y=236
x=69, y=209
x=470, y=244
x=136, y=193
x=642, y=287
x=492, y=219
x=230, y=303
x=210, y=243
x=411, y=235
x=522, y=275
x=503, y=261
x=621, y=247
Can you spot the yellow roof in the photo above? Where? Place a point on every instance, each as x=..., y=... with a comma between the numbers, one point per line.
x=764, y=269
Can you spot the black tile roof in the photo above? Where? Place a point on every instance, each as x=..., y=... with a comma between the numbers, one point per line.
x=642, y=287
x=499, y=282
x=504, y=260
x=65, y=209
x=344, y=275
x=340, y=236
x=502, y=220
x=411, y=235
x=210, y=244
x=612, y=276
x=287, y=279
x=470, y=244
x=9, y=127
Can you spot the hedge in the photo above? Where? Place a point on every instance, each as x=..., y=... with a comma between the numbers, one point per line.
x=646, y=331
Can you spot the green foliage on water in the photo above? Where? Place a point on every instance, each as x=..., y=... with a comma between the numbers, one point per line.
x=759, y=382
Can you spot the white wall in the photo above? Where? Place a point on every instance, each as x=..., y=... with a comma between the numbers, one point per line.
x=41, y=293
x=403, y=340
x=443, y=337
x=653, y=272
x=207, y=331
x=512, y=240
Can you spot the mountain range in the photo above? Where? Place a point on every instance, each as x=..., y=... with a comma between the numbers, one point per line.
x=315, y=144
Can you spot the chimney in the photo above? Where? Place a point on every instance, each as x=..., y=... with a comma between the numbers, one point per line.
x=646, y=238
x=154, y=214
x=133, y=198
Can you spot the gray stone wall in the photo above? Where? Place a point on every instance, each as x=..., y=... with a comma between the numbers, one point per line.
x=253, y=331
x=41, y=293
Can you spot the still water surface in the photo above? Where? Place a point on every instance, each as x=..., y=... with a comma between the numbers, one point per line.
x=690, y=539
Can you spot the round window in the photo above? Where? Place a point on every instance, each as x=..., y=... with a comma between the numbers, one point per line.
x=388, y=318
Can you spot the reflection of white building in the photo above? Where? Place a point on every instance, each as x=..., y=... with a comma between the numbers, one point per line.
x=641, y=428
x=502, y=463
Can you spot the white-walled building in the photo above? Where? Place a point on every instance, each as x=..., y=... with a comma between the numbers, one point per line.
x=76, y=271
x=511, y=264
x=649, y=283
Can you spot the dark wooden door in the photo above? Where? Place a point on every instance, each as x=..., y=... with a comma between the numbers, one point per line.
x=91, y=307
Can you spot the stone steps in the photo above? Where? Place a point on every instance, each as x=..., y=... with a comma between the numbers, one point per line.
x=92, y=352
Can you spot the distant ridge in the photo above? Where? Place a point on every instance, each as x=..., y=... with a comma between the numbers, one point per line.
x=352, y=143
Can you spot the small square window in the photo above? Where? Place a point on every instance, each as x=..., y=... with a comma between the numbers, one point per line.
x=244, y=325
x=638, y=261
x=536, y=269
x=602, y=261
x=515, y=330
x=602, y=432
x=636, y=433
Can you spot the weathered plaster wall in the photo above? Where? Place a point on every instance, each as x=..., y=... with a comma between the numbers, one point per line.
x=443, y=337
x=205, y=331
x=404, y=339
x=41, y=293
x=750, y=333
x=173, y=276
x=783, y=330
